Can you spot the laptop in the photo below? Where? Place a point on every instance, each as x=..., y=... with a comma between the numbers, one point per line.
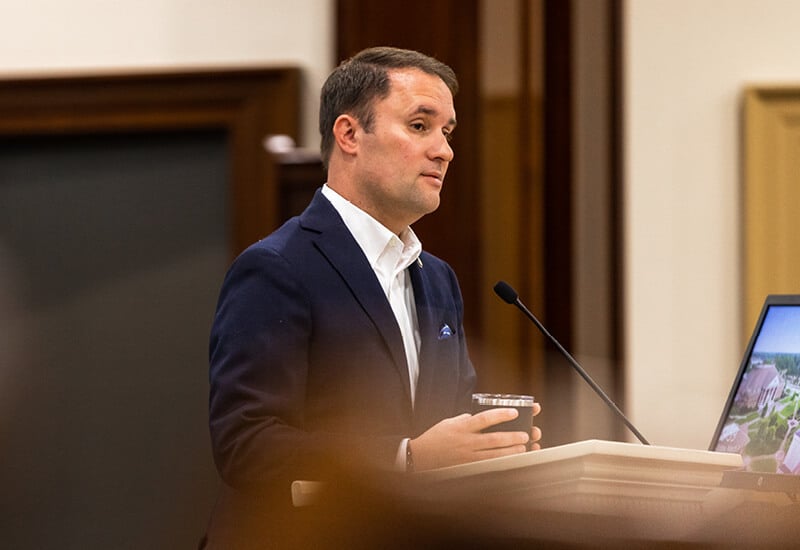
x=761, y=418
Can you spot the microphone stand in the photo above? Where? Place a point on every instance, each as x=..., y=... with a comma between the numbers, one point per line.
x=509, y=295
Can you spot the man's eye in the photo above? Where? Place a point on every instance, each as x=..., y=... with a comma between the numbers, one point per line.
x=448, y=136
x=418, y=126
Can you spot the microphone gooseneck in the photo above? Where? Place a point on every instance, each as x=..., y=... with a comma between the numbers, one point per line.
x=510, y=296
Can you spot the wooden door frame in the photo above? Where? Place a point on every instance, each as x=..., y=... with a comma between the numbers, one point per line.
x=248, y=103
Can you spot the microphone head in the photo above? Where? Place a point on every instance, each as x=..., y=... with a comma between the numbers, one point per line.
x=506, y=293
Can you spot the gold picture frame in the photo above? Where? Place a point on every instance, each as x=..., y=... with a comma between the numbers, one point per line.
x=771, y=198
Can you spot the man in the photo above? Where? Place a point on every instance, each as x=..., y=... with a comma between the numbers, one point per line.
x=338, y=344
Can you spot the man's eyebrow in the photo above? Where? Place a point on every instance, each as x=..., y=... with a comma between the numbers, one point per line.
x=425, y=110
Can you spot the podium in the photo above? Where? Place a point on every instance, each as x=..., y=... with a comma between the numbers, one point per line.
x=656, y=492
x=594, y=492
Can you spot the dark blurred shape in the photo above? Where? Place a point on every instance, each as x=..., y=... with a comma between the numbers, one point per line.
x=119, y=242
x=296, y=172
x=13, y=331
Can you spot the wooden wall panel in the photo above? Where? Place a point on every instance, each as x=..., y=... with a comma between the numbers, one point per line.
x=771, y=196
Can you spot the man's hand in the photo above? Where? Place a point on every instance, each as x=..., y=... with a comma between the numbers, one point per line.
x=459, y=439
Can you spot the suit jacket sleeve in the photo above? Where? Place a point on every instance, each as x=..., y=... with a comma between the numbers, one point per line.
x=259, y=358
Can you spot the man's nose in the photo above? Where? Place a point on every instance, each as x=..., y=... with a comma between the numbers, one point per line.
x=443, y=150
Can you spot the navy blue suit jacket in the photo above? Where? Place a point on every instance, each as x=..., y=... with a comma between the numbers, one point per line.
x=307, y=365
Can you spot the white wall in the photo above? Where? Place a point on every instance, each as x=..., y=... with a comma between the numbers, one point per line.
x=686, y=63
x=79, y=35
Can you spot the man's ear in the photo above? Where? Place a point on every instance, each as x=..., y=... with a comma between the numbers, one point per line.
x=346, y=131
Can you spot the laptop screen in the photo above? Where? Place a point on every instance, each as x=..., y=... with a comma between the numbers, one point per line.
x=761, y=417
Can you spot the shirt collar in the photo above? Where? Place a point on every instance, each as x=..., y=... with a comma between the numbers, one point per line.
x=374, y=238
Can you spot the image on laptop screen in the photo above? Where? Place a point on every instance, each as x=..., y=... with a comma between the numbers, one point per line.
x=762, y=415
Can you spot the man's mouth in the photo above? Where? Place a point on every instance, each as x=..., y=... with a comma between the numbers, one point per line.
x=436, y=175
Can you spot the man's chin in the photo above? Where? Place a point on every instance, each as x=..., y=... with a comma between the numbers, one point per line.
x=432, y=205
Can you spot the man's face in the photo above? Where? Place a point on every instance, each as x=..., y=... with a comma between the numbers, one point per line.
x=403, y=160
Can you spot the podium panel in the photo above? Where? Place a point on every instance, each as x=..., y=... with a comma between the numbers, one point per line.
x=665, y=489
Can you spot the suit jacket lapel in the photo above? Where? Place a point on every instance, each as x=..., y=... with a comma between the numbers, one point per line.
x=336, y=243
x=428, y=328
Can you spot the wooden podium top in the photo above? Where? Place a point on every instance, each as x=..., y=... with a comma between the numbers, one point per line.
x=612, y=458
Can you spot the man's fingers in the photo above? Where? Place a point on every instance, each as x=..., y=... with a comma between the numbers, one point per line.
x=490, y=417
x=537, y=408
x=495, y=440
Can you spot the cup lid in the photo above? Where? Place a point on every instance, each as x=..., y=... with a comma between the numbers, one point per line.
x=502, y=399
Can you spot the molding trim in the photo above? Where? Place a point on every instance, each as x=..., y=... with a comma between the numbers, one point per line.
x=771, y=196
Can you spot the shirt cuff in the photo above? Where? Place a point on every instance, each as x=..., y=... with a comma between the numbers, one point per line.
x=400, y=459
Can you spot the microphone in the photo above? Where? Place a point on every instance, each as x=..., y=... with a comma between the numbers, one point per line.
x=510, y=296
